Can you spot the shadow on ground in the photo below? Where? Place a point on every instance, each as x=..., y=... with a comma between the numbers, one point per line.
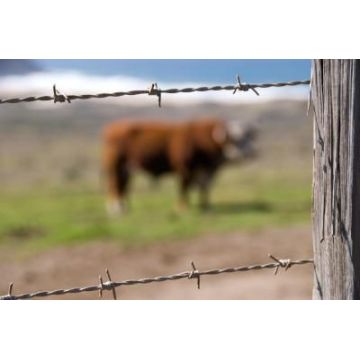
x=241, y=207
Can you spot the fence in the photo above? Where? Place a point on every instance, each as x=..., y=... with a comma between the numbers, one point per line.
x=153, y=90
x=335, y=96
x=194, y=273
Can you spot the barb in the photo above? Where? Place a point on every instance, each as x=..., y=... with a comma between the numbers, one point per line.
x=10, y=295
x=244, y=87
x=284, y=263
x=59, y=97
x=101, y=286
x=154, y=90
x=195, y=274
x=105, y=286
x=111, y=285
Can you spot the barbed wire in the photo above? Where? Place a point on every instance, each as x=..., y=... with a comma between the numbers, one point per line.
x=153, y=90
x=193, y=274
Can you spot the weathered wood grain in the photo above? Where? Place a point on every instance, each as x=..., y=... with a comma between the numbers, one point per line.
x=335, y=94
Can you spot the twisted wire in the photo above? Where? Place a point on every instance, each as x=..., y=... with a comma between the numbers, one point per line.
x=110, y=285
x=156, y=91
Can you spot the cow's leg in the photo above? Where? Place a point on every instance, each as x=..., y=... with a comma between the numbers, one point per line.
x=204, y=180
x=204, y=202
x=185, y=183
x=117, y=185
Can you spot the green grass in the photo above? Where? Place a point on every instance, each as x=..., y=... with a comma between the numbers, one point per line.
x=244, y=198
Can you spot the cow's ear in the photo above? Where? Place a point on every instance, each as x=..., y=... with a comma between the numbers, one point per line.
x=219, y=134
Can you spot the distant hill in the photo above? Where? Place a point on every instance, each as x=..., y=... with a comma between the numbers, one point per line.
x=18, y=67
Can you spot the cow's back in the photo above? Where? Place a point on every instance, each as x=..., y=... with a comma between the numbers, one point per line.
x=142, y=144
x=164, y=146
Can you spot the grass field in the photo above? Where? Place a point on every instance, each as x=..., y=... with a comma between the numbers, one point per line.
x=51, y=196
x=55, y=233
x=242, y=198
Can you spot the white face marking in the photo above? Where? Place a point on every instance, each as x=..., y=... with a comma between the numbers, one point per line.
x=234, y=129
x=241, y=144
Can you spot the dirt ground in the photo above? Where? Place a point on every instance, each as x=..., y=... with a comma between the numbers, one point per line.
x=81, y=266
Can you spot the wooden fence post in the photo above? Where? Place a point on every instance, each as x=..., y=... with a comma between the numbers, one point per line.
x=335, y=94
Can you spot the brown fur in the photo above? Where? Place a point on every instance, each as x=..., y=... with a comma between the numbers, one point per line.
x=187, y=149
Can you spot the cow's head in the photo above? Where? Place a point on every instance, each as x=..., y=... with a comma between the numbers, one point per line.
x=240, y=141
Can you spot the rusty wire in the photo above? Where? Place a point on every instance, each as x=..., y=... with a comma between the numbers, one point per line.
x=193, y=274
x=153, y=90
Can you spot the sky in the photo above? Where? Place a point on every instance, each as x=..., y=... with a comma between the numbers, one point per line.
x=188, y=70
x=95, y=76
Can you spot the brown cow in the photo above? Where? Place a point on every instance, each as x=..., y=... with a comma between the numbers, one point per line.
x=194, y=150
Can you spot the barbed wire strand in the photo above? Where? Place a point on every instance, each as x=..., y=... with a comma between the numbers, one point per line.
x=153, y=90
x=194, y=274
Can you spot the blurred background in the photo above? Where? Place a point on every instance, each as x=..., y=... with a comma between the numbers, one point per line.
x=54, y=231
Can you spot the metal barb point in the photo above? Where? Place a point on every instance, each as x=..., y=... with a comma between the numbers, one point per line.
x=243, y=86
x=154, y=90
x=10, y=289
x=285, y=263
x=238, y=87
x=101, y=285
x=59, y=97
x=195, y=273
x=112, y=288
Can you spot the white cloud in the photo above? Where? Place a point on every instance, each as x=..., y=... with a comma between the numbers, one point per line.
x=76, y=83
